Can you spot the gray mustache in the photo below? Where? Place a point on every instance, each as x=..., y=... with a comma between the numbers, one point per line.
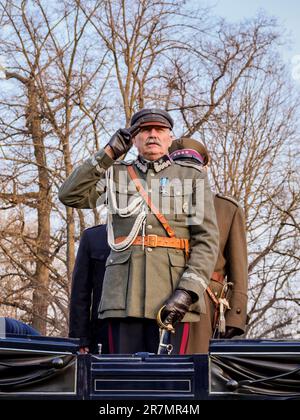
x=153, y=140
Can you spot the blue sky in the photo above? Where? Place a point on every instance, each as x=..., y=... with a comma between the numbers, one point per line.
x=287, y=12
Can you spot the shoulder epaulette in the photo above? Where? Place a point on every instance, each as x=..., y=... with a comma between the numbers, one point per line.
x=189, y=165
x=226, y=197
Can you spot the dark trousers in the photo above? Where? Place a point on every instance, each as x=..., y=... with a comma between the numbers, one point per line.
x=134, y=335
x=99, y=335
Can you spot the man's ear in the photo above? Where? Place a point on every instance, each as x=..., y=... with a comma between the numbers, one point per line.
x=172, y=137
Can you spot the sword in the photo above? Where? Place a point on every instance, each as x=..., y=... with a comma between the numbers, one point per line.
x=220, y=326
x=164, y=347
x=165, y=331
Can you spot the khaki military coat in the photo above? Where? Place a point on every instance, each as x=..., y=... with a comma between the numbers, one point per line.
x=232, y=263
x=137, y=282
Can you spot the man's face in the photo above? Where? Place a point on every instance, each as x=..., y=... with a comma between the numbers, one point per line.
x=153, y=141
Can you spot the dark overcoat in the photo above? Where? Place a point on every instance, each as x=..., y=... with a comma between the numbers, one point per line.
x=86, y=289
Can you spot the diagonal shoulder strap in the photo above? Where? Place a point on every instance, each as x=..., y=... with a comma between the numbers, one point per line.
x=161, y=218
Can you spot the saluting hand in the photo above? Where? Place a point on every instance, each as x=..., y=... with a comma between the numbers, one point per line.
x=121, y=141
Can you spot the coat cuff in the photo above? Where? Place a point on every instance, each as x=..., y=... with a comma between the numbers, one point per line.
x=237, y=315
x=84, y=342
x=101, y=161
x=194, y=283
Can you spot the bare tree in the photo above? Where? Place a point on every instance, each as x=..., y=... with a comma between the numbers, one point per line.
x=140, y=39
x=77, y=70
x=232, y=92
x=251, y=139
x=54, y=77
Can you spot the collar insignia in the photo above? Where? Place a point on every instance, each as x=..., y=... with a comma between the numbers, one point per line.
x=158, y=165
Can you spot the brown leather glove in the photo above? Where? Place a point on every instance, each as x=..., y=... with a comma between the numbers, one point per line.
x=231, y=332
x=121, y=141
x=176, y=306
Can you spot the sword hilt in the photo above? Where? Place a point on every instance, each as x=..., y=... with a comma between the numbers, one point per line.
x=161, y=324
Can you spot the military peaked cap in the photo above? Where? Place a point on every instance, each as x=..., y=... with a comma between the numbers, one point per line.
x=186, y=147
x=152, y=117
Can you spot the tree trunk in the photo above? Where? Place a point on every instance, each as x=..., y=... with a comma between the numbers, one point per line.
x=41, y=278
x=69, y=211
x=70, y=244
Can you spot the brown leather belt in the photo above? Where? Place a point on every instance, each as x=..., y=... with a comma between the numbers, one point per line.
x=217, y=277
x=154, y=241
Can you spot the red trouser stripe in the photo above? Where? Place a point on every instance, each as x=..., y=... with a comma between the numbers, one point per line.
x=184, y=338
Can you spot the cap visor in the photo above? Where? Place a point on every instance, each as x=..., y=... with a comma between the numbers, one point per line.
x=155, y=124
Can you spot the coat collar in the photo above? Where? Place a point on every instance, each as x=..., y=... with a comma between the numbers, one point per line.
x=157, y=165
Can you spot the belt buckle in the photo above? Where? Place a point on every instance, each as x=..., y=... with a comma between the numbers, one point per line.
x=152, y=241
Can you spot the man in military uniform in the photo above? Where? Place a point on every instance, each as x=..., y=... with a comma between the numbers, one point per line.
x=156, y=260
x=231, y=266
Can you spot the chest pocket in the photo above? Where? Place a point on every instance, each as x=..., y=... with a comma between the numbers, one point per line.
x=114, y=292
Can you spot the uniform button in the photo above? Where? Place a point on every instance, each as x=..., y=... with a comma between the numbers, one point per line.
x=216, y=294
x=152, y=174
x=238, y=311
x=149, y=226
x=111, y=261
x=149, y=249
